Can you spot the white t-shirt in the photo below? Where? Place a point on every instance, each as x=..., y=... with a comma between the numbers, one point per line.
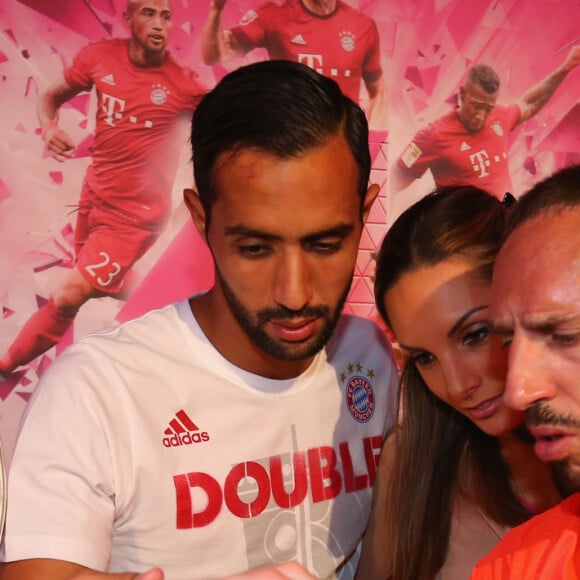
x=143, y=446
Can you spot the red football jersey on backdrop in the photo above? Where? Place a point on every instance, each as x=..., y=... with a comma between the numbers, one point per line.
x=343, y=45
x=135, y=151
x=456, y=156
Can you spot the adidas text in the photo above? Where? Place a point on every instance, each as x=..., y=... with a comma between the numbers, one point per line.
x=186, y=439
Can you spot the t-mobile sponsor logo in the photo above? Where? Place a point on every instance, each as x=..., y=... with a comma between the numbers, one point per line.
x=480, y=162
x=183, y=431
x=322, y=472
x=114, y=109
x=315, y=62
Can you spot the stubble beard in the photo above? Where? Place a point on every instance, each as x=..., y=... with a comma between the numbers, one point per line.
x=566, y=472
x=253, y=325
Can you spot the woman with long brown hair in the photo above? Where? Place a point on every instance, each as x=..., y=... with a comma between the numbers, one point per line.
x=458, y=470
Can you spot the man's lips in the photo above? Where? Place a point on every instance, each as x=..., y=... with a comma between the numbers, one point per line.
x=294, y=330
x=485, y=409
x=552, y=442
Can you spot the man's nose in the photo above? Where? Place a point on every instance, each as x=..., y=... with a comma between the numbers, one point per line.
x=527, y=380
x=292, y=281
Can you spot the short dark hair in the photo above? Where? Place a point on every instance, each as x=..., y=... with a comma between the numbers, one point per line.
x=555, y=193
x=484, y=76
x=280, y=107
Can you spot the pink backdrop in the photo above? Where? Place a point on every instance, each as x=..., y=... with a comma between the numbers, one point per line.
x=427, y=46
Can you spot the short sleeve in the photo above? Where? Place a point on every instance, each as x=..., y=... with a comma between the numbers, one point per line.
x=79, y=74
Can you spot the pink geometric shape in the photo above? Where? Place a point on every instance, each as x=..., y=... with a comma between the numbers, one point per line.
x=7, y=312
x=565, y=136
x=78, y=16
x=67, y=232
x=5, y=193
x=31, y=87
x=24, y=396
x=40, y=301
x=3, y=57
x=84, y=148
x=530, y=165
x=463, y=20
x=107, y=6
x=80, y=103
x=56, y=177
x=413, y=75
x=185, y=268
x=10, y=383
x=11, y=36
x=429, y=78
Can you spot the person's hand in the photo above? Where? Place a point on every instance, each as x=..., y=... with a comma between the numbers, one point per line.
x=153, y=574
x=573, y=58
x=58, y=143
x=218, y=4
x=285, y=571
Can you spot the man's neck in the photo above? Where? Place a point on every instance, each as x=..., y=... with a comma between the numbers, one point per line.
x=145, y=59
x=322, y=7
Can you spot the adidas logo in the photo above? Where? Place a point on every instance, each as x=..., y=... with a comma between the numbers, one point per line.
x=109, y=79
x=298, y=39
x=464, y=147
x=183, y=431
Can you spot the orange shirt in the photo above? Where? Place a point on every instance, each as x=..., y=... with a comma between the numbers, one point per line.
x=547, y=547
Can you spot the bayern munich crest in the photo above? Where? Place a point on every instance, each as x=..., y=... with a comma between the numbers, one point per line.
x=347, y=41
x=159, y=94
x=360, y=397
x=248, y=17
x=497, y=128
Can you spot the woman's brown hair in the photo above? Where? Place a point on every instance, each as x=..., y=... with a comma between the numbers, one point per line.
x=439, y=452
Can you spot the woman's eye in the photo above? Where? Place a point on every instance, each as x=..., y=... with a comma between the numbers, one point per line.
x=476, y=336
x=422, y=359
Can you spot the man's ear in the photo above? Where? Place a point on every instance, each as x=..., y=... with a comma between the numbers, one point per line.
x=193, y=204
x=370, y=197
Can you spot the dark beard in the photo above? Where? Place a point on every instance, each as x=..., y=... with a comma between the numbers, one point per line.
x=567, y=471
x=566, y=475
x=252, y=324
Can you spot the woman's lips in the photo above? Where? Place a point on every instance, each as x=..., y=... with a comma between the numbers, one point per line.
x=484, y=410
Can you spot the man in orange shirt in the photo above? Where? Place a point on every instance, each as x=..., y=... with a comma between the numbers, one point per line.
x=536, y=306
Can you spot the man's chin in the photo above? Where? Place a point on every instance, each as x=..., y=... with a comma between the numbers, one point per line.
x=566, y=476
x=293, y=351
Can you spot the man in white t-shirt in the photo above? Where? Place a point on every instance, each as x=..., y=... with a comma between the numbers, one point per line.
x=240, y=428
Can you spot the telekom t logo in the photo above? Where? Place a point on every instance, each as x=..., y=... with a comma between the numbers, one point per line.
x=480, y=162
x=112, y=107
x=314, y=61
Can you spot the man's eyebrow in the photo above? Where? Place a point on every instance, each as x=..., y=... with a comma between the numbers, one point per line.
x=548, y=322
x=340, y=230
x=536, y=322
x=248, y=232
